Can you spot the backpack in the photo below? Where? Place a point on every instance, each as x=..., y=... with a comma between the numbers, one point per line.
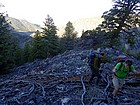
x=121, y=59
x=90, y=59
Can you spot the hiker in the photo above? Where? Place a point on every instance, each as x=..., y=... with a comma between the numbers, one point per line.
x=95, y=65
x=121, y=73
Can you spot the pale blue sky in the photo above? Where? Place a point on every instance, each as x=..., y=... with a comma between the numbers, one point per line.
x=62, y=11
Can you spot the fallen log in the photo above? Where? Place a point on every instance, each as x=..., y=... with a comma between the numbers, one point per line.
x=84, y=91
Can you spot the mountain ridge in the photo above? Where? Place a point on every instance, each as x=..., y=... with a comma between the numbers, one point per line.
x=90, y=23
x=21, y=25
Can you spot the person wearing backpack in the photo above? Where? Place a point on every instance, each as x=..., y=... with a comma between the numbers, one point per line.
x=121, y=71
x=94, y=63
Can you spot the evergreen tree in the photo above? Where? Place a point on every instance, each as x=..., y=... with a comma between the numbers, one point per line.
x=19, y=55
x=50, y=32
x=27, y=53
x=7, y=45
x=68, y=38
x=123, y=16
x=39, y=49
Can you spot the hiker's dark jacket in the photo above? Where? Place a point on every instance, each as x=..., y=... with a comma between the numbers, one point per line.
x=96, y=63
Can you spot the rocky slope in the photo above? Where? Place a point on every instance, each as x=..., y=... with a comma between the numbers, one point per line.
x=23, y=25
x=62, y=80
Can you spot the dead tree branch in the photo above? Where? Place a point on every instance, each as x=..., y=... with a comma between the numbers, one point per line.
x=84, y=91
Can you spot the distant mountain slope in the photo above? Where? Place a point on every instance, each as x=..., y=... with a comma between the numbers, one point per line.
x=79, y=25
x=23, y=25
x=22, y=29
x=82, y=24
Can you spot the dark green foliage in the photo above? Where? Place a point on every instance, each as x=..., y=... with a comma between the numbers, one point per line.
x=123, y=16
x=94, y=38
x=27, y=53
x=68, y=38
x=138, y=55
x=131, y=41
x=50, y=36
x=7, y=46
x=19, y=55
x=88, y=33
x=70, y=31
x=39, y=49
x=112, y=38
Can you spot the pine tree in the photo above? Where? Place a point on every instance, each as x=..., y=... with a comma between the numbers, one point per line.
x=27, y=53
x=123, y=16
x=7, y=45
x=39, y=47
x=19, y=60
x=68, y=38
x=50, y=32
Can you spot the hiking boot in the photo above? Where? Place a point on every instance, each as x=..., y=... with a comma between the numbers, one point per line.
x=115, y=100
x=90, y=83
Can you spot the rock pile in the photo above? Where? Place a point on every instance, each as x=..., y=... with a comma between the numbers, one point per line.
x=62, y=80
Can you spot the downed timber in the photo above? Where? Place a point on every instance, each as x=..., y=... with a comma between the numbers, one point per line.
x=52, y=89
x=133, y=81
x=84, y=91
x=99, y=100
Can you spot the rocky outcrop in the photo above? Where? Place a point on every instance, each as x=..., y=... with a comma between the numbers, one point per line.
x=63, y=80
x=134, y=35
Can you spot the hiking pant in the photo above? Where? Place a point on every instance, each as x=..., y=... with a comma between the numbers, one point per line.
x=95, y=73
x=118, y=82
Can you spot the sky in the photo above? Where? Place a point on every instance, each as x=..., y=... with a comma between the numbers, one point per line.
x=61, y=11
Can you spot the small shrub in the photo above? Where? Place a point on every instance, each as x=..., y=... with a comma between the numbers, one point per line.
x=123, y=49
x=138, y=55
x=131, y=41
x=107, y=59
